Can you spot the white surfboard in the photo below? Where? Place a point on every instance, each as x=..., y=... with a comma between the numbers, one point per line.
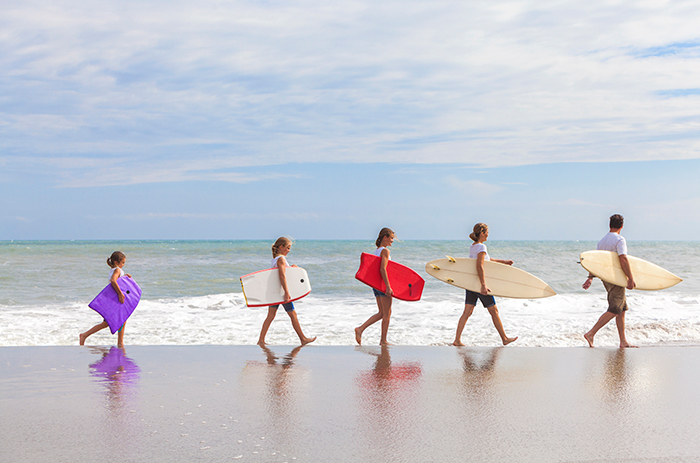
x=263, y=288
x=503, y=280
x=647, y=276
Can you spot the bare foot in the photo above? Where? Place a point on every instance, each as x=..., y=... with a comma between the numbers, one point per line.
x=458, y=344
x=626, y=345
x=261, y=343
x=308, y=341
x=82, y=339
x=121, y=346
x=358, y=336
x=589, y=338
x=507, y=341
x=385, y=343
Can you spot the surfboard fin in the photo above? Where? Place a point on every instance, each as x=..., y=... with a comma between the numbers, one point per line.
x=451, y=259
x=450, y=280
x=435, y=267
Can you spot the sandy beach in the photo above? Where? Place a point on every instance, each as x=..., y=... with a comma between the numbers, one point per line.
x=316, y=403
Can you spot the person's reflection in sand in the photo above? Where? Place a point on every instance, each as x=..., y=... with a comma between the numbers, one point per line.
x=617, y=377
x=479, y=386
x=116, y=372
x=388, y=393
x=276, y=388
x=277, y=379
x=119, y=375
x=478, y=369
x=385, y=376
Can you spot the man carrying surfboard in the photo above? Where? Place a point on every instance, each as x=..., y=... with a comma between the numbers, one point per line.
x=617, y=300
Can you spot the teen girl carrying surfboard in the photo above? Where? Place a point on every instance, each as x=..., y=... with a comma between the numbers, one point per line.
x=384, y=240
x=478, y=251
x=279, y=253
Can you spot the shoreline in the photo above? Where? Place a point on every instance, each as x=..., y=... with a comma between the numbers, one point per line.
x=343, y=403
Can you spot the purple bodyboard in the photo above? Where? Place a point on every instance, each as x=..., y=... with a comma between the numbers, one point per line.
x=107, y=303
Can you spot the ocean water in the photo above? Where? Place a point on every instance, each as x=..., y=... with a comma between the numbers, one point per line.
x=192, y=294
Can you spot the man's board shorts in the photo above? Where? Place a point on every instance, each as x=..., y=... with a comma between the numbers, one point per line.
x=288, y=307
x=617, y=300
x=472, y=297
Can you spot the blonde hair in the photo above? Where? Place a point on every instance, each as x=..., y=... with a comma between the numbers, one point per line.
x=115, y=258
x=479, y=228
x=281, y=241
x=382, y=233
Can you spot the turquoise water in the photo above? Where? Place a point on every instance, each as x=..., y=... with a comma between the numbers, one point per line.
x=186, y=281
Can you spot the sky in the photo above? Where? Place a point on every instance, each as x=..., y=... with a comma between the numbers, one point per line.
x=330, y=120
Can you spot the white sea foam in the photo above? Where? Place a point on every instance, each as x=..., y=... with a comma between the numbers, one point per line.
x=654, y=318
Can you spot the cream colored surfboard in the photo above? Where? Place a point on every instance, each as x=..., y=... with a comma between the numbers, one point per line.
x=503, y=280
x=647, y=276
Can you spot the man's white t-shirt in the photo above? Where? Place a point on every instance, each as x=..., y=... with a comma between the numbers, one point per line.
x=613, y=242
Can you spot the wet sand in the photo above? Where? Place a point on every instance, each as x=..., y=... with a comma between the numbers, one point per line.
x=345, y=404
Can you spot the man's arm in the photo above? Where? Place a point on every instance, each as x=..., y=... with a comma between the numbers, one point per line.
x=625, y=264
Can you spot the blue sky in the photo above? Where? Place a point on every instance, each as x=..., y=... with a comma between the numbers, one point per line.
x=233, y=120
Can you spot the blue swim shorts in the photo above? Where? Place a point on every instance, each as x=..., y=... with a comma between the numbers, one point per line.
x=288, y=307
x=472, y=297
x=378, y=293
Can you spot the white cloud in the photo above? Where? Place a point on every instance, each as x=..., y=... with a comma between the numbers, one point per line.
x=490, y=84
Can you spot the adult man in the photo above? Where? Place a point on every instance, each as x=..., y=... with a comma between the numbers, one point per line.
x=617, y=302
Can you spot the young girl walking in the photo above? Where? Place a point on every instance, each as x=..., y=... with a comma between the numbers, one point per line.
x=279, y=259
x=116, y=261
x=478, y=251
x=384, y=240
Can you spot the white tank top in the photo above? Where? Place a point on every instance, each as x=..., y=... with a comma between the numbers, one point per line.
x=274, y=261
x=119, y=273
x=378, y=252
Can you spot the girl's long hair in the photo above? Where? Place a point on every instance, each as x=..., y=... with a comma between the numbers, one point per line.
x=281, y=241
x=382, y=233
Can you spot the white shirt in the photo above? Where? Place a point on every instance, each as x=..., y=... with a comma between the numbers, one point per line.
x=613, y=242
x=476, y=249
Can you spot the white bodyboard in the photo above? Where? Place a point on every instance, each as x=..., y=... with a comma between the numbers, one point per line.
x=263, y=288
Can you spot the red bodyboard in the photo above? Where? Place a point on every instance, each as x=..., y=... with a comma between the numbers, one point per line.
x=405, y=282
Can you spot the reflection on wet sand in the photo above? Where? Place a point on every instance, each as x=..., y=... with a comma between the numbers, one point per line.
x=478, y=368
x=119, y=375
x=278, y=375
x=479, y=382
x=388, y=403
x=617, y=375
x=116, y=372
x=276, y=390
